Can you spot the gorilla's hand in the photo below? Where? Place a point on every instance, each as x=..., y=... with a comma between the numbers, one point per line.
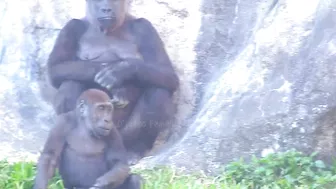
x=100, y=183
x=123, y=96
x=114, y=177
x=114, y=75
x=119, y=99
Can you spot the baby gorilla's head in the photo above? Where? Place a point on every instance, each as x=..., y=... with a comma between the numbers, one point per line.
x=95, y=112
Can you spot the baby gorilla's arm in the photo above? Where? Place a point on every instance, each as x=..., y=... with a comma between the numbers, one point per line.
x=52, y=149
x=115, y=177
x=116, y=157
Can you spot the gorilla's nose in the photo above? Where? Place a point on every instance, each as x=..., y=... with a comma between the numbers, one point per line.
x=107, y=120
x=106, y=10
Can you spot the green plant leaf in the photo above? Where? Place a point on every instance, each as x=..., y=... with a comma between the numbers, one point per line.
x=320, y=164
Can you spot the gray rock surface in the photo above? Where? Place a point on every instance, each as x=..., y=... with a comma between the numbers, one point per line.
x=268, y=81
x=258, y=76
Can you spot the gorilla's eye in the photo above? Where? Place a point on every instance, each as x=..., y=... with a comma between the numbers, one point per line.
x=101, y=107
x=109, y=109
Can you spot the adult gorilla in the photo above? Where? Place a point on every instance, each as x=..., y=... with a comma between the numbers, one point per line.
x=111, y=50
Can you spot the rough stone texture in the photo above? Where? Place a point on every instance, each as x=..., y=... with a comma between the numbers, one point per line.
x=258, y=76
x=271, y=83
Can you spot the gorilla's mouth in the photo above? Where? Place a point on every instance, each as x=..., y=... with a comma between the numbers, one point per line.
x=106, y=18
x=104, y=129
x=107, y=22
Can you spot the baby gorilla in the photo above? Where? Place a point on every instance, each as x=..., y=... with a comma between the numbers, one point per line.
x=87, y=148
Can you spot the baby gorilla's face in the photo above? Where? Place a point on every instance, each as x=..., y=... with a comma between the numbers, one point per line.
x=101, y=119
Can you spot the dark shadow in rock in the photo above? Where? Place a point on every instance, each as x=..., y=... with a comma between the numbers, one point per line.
x=2, y=54
x=325, y=136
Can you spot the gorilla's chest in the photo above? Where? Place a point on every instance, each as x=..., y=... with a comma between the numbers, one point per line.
x=82, y=161
x=82, y=143
x=97, y=47
x=79, y=170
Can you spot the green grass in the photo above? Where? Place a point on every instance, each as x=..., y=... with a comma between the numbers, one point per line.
x=283, y=170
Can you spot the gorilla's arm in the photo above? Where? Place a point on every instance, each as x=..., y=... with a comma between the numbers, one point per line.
x=63, y=63
x=53, y=147
x=154, y=70
x=157, y=68
x=116, y=157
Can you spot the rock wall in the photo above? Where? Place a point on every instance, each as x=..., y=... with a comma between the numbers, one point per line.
x=258, y=76
x=268, y=77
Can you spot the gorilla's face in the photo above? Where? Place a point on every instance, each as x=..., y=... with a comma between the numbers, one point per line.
x=108, y=13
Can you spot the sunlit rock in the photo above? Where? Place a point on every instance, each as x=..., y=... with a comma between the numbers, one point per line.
x=271, y=83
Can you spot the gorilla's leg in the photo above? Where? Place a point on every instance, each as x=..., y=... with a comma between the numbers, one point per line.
x=66, y=185
x=150, y=116
x=158, y=114
x=66, y=96
x=133, y=181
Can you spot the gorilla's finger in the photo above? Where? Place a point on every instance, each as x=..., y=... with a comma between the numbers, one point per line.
x=106, y=74
x=109, y=87
x=100, y=81
x=97, y=78
x=119, y=102
x=104, y=85
x=101, y=73
x=103, y=64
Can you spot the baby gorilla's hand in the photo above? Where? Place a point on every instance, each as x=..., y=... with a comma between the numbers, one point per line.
x=113, y=178
x=100, y=183
x=133, y=158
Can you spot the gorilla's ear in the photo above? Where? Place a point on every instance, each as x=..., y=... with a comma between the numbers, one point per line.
x=81, y=107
